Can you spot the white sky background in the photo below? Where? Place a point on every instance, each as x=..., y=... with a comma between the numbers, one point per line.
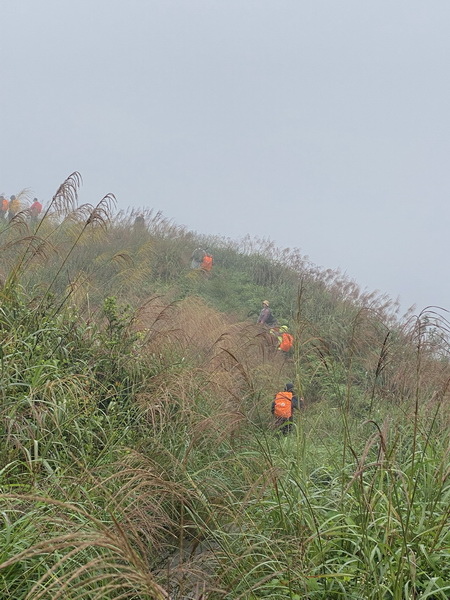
x=323, y=125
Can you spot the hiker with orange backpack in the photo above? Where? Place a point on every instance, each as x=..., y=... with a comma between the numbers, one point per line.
x=286, y=340
x=283, y=408
x=207, y=263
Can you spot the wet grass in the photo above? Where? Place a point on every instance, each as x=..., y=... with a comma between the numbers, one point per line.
x=137, y=456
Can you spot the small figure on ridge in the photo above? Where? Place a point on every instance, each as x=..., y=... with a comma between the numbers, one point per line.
x=197, y=258
x=14, y=207
x=286, y=340
x=207, y=262
x=139, y=223
x=283, y=408
x=4, y=205
x=266, y=316
x=35, y=210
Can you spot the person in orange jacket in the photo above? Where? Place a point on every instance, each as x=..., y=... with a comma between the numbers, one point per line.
x=4, y=206
x=35, y=210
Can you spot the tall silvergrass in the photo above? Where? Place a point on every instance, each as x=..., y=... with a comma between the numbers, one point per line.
x=138, y=458
x=212, y=505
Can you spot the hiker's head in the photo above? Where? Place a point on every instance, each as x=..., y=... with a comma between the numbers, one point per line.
x=283, y=328
x=289, y=387
x=265, y=303
x=13, y=197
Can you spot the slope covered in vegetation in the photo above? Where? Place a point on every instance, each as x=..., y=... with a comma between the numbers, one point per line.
x=138, y=458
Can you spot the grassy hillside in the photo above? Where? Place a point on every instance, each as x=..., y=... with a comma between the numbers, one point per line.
x=138, y=456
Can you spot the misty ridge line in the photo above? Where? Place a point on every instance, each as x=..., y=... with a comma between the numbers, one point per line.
x=63, y=208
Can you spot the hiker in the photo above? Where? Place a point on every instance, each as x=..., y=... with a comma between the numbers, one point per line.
x=283, y=408
x=266, y=316
x=35, y=210
x=14, y=207
x=197, y=258
x=286, y=340
x=139, y=223
x=207, y=263
x=4, y=205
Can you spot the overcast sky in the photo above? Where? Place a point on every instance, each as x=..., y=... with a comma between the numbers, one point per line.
x=323, y=125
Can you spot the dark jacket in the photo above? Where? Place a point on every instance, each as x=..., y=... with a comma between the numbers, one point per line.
x=266, y=317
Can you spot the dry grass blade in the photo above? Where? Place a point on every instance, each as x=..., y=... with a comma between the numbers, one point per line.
x=19, y=221
x=123, y=259
x=66, y=197
x=36, y=246
x=102, y=552
x=101, y=214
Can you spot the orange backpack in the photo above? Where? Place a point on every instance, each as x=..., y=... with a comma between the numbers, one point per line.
x=283, y=405
x=287, y=341
x=4, y=206
x=207, y=263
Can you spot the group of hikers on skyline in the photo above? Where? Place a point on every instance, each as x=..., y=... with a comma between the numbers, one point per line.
x=10, y=208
